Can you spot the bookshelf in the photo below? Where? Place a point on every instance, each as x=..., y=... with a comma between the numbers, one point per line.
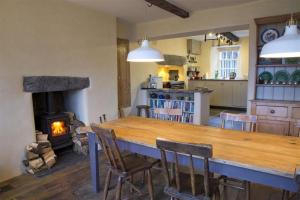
x=193, y=105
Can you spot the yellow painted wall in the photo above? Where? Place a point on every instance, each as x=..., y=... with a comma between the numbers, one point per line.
x=51, y=37
x=205, y=58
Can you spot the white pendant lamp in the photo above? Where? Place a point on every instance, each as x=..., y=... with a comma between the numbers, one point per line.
x=145, y=54
x=287, y=46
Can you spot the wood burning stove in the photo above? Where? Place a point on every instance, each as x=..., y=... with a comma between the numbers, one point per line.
x=51, y=119
x=57, y=128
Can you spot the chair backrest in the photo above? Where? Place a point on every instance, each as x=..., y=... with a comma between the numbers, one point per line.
x=242, y=118
x=201, y=150
x=297, y=125
x=109, y=145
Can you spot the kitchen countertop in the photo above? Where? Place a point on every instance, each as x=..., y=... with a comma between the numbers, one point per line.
x=203, y=90
x=219, y=80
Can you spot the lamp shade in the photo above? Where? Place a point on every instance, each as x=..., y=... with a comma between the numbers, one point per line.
x=145, y=54
x=287, y=46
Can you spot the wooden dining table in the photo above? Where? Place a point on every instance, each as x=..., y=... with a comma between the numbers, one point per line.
x=262, y=158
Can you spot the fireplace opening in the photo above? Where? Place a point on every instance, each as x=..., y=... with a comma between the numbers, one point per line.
x=51, y=118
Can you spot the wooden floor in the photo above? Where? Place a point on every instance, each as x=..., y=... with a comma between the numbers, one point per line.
x=73, y=182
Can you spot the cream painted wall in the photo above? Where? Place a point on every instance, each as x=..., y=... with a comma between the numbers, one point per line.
x=221, y=19
x=214, y=19
x=207, y=59
x=51, y=37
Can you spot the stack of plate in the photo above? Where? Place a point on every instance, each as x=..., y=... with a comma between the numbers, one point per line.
x=280, y=77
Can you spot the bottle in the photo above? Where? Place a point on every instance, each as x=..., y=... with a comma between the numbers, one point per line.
x=216, y=74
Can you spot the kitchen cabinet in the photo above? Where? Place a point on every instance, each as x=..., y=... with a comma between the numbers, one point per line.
x=227, y=93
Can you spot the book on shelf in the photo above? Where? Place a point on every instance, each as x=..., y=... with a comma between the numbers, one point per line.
x=187, y=108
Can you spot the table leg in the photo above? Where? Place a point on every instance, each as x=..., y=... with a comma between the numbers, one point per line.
x=94, y=161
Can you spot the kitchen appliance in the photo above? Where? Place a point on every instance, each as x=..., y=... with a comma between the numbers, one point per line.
x=156, y=82
x=177, y=84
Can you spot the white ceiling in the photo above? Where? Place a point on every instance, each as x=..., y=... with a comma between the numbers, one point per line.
x=135, y=11
x=240, y=33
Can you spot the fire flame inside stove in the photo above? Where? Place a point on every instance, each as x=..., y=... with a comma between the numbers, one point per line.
x=58, y=128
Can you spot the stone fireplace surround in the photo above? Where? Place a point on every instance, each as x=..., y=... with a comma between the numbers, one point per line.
x=35, y=84
x=72, y=91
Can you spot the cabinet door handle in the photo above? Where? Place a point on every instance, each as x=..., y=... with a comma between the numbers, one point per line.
x=272, y=111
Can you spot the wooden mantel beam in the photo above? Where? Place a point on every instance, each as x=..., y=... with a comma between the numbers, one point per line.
x=163, y=4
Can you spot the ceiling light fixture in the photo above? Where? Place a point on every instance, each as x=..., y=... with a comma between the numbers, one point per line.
x=286, y=46
x=145, y=53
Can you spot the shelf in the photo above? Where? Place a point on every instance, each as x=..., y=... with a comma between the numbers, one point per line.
x=277, y=85
x=278, y=65
x=189, y=101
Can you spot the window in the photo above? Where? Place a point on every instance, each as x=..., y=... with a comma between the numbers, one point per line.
x=228, y=62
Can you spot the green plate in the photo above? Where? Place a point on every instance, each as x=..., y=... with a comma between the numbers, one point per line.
x=282, y=76
x=296, y=76
x=266, y=76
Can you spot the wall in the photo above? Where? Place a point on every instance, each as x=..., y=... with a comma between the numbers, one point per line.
x=51, y=37
x=139, y=72
x=221, y=19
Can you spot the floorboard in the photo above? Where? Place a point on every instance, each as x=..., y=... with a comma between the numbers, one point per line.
x=74, y=182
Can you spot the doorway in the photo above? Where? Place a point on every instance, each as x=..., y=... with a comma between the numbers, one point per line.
x=124, y=88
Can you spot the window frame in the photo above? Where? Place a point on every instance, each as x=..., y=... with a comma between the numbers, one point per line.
x=228, y=64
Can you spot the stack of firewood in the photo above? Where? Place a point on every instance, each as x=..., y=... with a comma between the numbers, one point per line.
x=39, y=154
x=80, y=139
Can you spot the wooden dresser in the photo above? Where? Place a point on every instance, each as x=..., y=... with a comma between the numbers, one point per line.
x=278, y=117
x=277, y=102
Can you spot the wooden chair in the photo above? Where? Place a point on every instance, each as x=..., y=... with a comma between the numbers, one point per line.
x=125, y=167
x=244, y=120
x=186, y=186
x=240, y=118
x=297, y=125
x=102, y=118
x=144, y=108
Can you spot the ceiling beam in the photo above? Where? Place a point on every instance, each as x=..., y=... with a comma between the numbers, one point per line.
x=230, y=36
x=165, y=5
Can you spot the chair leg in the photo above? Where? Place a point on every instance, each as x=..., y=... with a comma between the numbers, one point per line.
x=247, y=189
x=144, y=175
x=285, y=195
x=107, y=183
x=217, y=195
x=150, y=184
x=131, y=181
x=119, y=189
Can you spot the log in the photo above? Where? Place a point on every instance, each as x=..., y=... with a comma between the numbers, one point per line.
x=41, y=137
x=50, y=162
x=83, y=130
x=44, y=144
x=84, y=141
x=45, y=150
x=26, y=163
x=36, y=148
x=36, y=163
x=49, y=158
x=29, y=148
x=31, y=156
